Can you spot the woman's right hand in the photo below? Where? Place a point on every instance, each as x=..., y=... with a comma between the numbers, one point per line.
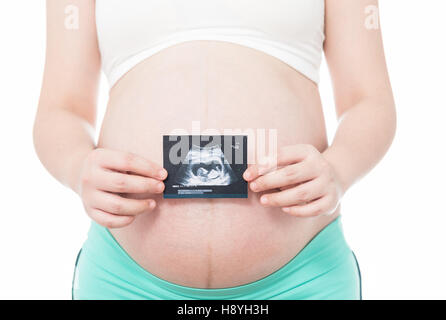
x=106, y=174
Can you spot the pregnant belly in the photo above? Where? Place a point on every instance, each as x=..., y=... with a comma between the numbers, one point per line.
x=210, y=87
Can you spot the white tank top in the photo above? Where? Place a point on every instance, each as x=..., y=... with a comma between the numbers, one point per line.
x=130, y=31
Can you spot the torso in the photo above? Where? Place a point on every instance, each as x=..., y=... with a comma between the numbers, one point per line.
x=213, y=243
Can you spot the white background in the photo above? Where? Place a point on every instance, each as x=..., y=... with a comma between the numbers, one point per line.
x=394, y=219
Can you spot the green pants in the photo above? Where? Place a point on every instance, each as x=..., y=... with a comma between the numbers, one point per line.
x=325, y=269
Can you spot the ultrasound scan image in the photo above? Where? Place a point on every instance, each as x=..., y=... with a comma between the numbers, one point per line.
x=205, y=166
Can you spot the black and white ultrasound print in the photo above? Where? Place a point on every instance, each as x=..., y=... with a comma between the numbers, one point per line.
x=205, y=166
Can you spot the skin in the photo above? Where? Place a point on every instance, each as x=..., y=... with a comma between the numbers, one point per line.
x=316, y=181
x=120, y=186
x=107, y=173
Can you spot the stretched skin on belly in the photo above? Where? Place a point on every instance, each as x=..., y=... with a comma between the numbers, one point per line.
x=212, y=242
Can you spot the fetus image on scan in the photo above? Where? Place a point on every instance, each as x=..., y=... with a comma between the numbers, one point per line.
x=205, y=166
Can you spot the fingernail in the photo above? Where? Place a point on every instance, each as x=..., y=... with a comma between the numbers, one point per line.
x=160, y=186
x=287, y=210
x=253, y=186
x=247, y=175
x=264, y=200
x=152, y=204
x=162, y=174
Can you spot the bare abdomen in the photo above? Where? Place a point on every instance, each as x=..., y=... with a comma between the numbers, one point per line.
x=214, y=86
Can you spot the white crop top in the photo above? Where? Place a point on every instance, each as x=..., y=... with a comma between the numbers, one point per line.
x=130, y=31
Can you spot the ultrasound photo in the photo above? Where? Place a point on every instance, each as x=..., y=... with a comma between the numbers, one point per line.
x=205, y=166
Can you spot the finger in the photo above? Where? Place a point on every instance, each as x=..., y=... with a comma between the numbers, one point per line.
x=303, y=193
x=286, y=156
x=289, y=175
x=129, y=162
x=118, y=205
x=318, y=207
x=109, y=220
x=112, y=181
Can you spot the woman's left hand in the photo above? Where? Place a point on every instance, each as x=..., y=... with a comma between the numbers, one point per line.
x=306, y=183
